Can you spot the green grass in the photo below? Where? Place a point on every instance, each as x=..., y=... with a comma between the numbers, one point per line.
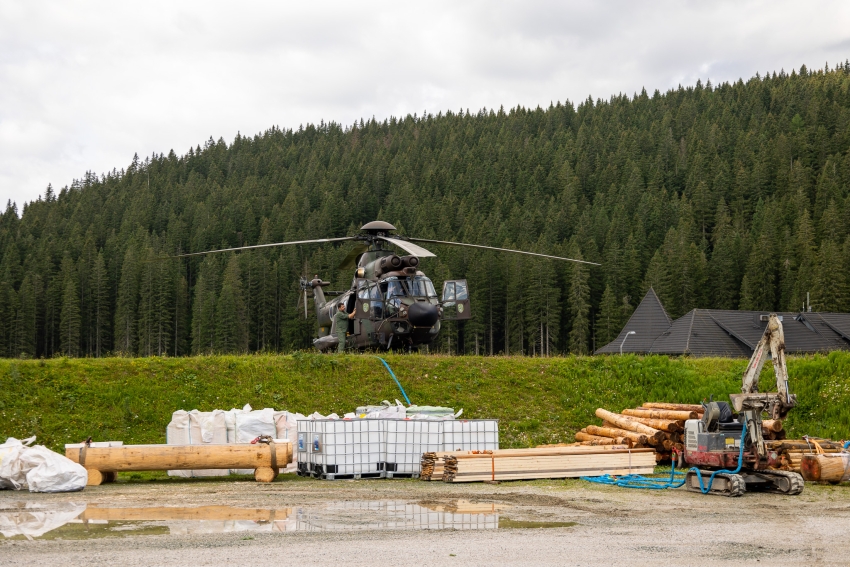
x=538, y=400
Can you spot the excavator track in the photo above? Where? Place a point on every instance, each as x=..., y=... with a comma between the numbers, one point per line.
x=724, y=484
x=784, y=482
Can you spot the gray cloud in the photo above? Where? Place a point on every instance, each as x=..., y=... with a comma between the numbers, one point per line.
x=85, y=85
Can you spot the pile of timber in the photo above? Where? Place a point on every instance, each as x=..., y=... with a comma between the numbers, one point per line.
x=654, y=425
x=546, y=462
x=792, y=451
x=433, y=465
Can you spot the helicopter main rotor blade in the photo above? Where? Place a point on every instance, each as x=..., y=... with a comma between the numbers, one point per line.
x=317, y=241
x=350, y=261
x=409, y=247
x=504, y=250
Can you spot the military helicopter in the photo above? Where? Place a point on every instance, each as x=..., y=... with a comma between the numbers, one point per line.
x=397, y=306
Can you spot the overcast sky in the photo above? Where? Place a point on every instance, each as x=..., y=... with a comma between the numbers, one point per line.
x=85, y=85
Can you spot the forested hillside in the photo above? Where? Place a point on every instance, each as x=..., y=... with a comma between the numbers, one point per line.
x=725, y=196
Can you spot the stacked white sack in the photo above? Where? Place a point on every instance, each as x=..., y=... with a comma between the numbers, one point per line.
x=197, y=428
x=38, y=468
x=389, y=411
x=232, y=426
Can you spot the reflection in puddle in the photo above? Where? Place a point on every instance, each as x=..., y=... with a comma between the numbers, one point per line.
x=81, y=521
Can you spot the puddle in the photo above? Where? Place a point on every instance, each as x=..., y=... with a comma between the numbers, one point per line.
x=33, y=520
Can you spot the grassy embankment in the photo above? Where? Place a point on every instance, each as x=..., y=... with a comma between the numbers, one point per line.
x=537, y=400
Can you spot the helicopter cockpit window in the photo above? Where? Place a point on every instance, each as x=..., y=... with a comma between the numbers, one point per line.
x=394, y=288
x=461, y=291
x=421, y=286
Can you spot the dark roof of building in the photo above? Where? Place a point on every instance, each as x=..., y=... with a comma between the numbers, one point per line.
x=719, y=332
x=699, y=333
x=648, y=321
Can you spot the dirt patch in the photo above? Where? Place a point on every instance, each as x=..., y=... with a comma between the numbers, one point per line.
x=587, y=524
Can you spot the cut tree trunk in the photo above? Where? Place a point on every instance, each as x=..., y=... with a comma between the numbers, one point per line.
x=661, y=414
x=668, y=425
x=623, y=422
x=601, y=440
x=675, y=407
x=636, y=438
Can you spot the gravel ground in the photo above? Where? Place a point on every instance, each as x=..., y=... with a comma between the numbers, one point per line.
x=612, y=526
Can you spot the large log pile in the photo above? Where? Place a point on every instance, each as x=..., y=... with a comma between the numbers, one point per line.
x=654, y=425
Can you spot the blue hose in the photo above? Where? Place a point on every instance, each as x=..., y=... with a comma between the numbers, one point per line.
x=406, y=399
x=846, y=445
x=640, y=481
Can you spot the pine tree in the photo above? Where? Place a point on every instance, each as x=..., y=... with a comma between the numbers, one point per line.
x=830, y=291
x=69, y=319
x=26, y=325
x=579, y=297
x=125, y=308
x=100, y=296
x=609, y=320
x=758, y=289
x=231, y=313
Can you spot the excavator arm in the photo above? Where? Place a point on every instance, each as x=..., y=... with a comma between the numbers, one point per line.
x=750, y=402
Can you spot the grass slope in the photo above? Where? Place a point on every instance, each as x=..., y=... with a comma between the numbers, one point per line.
x=537, y=400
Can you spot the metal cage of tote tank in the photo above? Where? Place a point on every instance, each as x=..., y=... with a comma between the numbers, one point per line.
x=471, y=435
x=301, y=448
x=347, y=449
x=391, y=515
x=406, y=441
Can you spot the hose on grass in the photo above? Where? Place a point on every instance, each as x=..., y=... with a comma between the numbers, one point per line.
x=642, y=482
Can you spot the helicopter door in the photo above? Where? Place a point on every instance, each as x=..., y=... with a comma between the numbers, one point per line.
x=456, y=301
x=364, y=301
x=370, y=302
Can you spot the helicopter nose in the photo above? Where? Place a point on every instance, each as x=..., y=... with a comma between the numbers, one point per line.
x=422, y=314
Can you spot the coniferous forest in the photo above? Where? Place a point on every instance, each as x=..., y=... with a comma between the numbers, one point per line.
x=723, y=196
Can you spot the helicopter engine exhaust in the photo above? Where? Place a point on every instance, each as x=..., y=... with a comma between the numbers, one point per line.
x=390, y=263
x=409, y=261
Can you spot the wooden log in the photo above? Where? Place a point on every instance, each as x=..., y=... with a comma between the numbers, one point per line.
x=676, y=415
x=832, y=467
x=802, y=445
x=99, y=461
x=774, y=425
x=666, y=425
x=624, y=422
x=636, y=438
x=675, y=407
x=600, y=440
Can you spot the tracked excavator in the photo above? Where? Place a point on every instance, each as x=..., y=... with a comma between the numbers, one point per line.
x=726, y=447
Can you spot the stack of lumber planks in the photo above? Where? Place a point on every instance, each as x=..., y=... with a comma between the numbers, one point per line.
x=656, y=425
x=539, y=462
x=792, y=451
x=433, y=465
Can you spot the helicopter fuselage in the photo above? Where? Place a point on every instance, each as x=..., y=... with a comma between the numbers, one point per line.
x=397, y=305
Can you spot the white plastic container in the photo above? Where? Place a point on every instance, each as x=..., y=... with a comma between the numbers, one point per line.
x=345, y=449
x=406, y=441
x=301, y=447
x=471, y=435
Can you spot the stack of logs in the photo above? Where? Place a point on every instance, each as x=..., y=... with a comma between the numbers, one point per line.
x=791, y=451
x=657, y=425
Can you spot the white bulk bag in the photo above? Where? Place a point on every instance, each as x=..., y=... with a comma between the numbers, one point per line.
x=197, y=428
x=39, y=468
